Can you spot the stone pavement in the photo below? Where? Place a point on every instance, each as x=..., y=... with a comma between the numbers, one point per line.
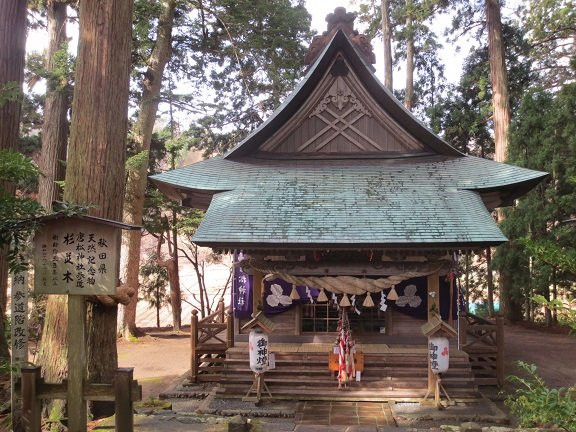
x=204, y=411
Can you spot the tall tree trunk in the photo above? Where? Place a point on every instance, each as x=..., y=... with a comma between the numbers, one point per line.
x=137, y=179
x=387, y=39
x=490, y=282
x=409, y=91
x=175, y=291
x=55, y=126
x=501, y=120
x=95, y=168
x=12, y=54
x=499, y=79
x=53, y=352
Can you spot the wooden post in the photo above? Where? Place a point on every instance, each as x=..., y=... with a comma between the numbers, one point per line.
x=229, y=329
x=500, y=352
x=433, y=284
x=463, y=330
x=222, y=310
x=123, y=400
x=77, y=412
x=257, y=290
x=31, y=406
x=193, y=346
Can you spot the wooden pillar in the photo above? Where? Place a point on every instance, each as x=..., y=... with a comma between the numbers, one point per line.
x=77, y=412
x=221, y=310
x=257, y=290
x=229, y=329
x=123, y=400
x=433, y=285
x=463, y=331
x=193, y=346
x=500, y=348
x=31, y=406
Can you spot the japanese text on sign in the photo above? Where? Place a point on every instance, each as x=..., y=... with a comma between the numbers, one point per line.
x=20, y=317
x=79, y=258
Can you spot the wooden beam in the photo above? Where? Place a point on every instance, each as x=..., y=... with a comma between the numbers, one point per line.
x=77, y=412
x=433, y=285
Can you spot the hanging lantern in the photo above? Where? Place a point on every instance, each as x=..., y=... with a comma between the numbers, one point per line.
x=368, y=302
x=345, y=302
x=439, y=354
x=258, y=350
x=294, y=293
x=393, y=295
x=322, y=298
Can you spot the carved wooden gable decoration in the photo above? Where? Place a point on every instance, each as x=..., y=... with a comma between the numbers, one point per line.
x=341, y=117
x=340, y=109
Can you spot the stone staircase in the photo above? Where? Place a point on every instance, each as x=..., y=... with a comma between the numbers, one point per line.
x=389, y=374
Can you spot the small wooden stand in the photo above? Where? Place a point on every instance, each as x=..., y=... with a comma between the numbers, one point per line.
x=435, y=326
x=257, y=387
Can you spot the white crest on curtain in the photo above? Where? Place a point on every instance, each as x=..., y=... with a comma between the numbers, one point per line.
x=277, y=297
x=409, y=298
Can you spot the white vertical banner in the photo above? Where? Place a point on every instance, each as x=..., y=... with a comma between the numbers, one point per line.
x=19, y=317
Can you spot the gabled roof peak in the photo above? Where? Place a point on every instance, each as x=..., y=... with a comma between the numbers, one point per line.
x=344, y=21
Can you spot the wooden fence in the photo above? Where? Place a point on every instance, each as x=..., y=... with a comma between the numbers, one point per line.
x=483, y=340
x=210, y=338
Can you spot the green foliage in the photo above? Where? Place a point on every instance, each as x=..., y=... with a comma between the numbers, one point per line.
x=241, y=58
x=429, y=77
x=550, y=25
x=543, y=137
x=566, y=312
x=466, y=112
x=10, y=92
x=15, y=211
x=153, y=286
x=135, y=162
x=15, y=167
x=537, y=405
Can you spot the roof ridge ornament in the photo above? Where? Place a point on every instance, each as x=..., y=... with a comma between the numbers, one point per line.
x=341, y=20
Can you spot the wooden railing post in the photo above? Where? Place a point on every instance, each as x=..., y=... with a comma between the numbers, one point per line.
x=463, y=331
x=500, y=352
x=123, y=399
x=194, y=345
x=31, y=406
x=222, y=310
x=229, y=329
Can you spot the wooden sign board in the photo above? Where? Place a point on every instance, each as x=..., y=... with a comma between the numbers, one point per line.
x=76, y=256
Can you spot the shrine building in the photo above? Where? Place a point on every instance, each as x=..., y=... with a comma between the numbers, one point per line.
x=343, y=201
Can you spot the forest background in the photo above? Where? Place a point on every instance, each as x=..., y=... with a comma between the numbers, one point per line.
x=224, y=66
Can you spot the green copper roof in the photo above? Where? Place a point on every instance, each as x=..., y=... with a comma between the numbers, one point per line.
x=433, y=198
x=424, y=201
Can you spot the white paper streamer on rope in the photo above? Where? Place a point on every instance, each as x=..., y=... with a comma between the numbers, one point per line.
x=353, y=301
x=309, y=294
x=383, y=305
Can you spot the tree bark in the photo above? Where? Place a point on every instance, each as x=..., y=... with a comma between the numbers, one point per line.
x=55, y=126
x=137, y=178
x=53, y=353
x=95, y=168
x=501, y=120
x=409, y=91
x=12, y=55
x=387, y=39
x=499, y=79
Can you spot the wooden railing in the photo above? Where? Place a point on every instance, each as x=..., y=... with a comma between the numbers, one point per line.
x=483, y=340
x=210, y=338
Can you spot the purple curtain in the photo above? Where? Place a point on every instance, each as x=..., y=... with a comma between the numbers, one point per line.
x=242, y=285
